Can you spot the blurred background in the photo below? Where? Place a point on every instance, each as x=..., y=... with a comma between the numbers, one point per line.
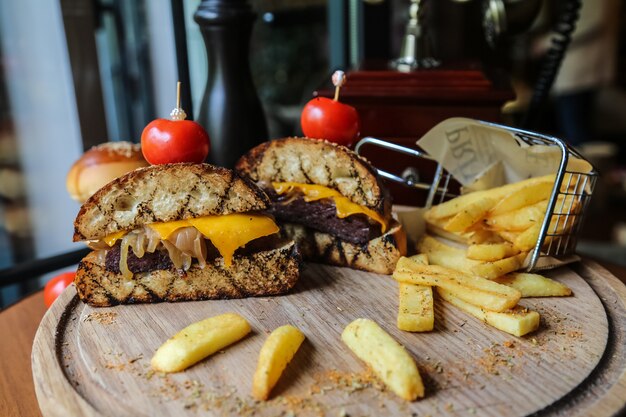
x=77, y=73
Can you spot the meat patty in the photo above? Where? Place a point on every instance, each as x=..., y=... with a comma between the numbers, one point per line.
x=321, y=215
x=159, y=259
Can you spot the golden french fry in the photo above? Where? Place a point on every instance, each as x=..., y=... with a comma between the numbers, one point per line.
x=508, y=236
x=534, y=285
x=470, y=215
x=199, y=340
x=387, y=358
x=444, y=255
x=491, y=270
x=428, y=244
x=520, y=219
x=415, y=304
x=483, y=236
x=527, y=240
x=436, y=228
x=421, y=258
x=517, y=321
x=453, y=260
x=415, y=308
x=525, y=196
x=491, y=251
x=277, y=351
x=458, y=204
x=473, y=289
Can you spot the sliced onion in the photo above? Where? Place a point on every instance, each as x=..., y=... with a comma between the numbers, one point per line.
x=126, y=273
x=101, y=256
x=199, y=250
x=153, y=239
x=183, y=239
x=97, y=245
x=174, y=253
x=182, y=246
x=186, y=261
x=140, y=244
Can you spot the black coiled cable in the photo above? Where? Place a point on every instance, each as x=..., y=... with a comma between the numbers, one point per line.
x=565, y=26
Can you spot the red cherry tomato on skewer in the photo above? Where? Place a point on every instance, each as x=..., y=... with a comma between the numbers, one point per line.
x=178, y=140
x=323, y=118
x=167, y=141
x=55, y=287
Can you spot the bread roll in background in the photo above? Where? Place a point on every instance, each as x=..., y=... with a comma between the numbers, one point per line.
x=100, y=165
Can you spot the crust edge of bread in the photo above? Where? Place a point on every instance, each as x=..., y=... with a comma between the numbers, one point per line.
x=264, y=273
x=247, y=166
x=379, y=255
x=255, y=198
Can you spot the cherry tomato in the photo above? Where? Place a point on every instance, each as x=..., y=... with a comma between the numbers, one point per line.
x=324, y=118
x=167, y=141
x=56, y=285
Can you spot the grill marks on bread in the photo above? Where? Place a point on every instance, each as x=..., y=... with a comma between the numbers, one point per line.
x=317, y=162
x=162, y=193
x=379, y=255
x=269, y=272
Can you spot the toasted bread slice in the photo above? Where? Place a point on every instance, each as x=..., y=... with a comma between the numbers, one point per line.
x=380, y=255
x=270, y=272
x=311, y=161
x=162, y=193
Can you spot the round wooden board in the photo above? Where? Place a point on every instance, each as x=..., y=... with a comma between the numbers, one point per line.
x=95, y=362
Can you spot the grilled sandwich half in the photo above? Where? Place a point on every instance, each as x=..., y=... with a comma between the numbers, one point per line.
x=329, y=200
x=179, y=232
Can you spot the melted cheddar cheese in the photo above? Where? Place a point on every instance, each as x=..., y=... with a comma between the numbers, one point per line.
x=226, y=232
x=345, y=207
x=113, y=237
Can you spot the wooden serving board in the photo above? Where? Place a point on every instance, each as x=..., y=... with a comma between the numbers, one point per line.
x=96, y=362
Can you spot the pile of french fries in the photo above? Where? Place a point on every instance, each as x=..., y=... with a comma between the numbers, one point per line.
x=498, y=228
x=503, y=222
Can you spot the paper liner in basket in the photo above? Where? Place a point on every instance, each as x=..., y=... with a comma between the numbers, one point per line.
x=481, y=155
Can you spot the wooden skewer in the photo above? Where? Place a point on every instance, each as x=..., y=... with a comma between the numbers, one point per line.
x=339, y=79
x=178, y=113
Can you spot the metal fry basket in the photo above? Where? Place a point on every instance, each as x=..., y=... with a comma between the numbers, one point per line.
x=566, y=207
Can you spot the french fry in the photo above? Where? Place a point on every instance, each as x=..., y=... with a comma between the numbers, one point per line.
x=421, y=258
x=435, y=226
x=491, y=251
x=527, y=240
x=525, y=196
x=456, y=205
x=428, y=244
x=199, y=340
x=387, y=358
x=520, y=219
x=277, y=351
x=415, y=308
x=453, y=260
x=483, y=236
x=518, y=321
x=491, y=270
x=534, y=285
x=415, y=304
x=469, y=215
x=475, y=290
